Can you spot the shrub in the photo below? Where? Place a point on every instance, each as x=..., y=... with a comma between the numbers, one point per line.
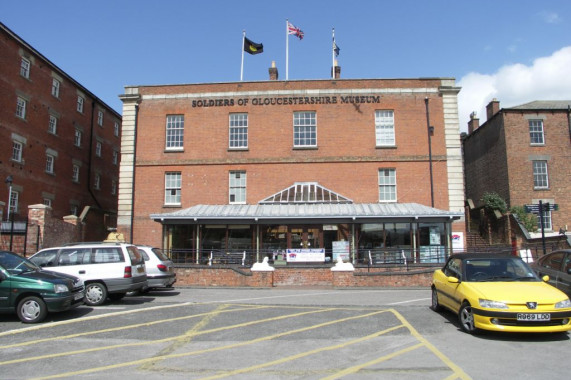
x=492, y=201
x=528, y=220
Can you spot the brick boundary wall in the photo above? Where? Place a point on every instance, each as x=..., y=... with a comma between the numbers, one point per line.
x=221, y=276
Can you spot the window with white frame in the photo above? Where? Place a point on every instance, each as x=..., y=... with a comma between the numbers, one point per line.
x=385, y=128
x=56, y=84
x=80, y=102
x=100, y=118
x=17, y=148
x=540, y=177
x=52, y=126
x=97, y=181
x=172, y=188
x=25, y=68
x=387, y=185
x=50, y=163
x=238, y=130
x=47, y=202
x=77, y=137
x=116, y=129
x=75, y=173
x=546, y=220
x=21, y=106
x=115, y=157
x=237, y=188
x=175, y=132
x=14, y=196
x=536, y=132
x=305, y=129
x=98, y=147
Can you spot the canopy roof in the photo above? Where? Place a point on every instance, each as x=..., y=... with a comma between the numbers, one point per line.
x=306, y=213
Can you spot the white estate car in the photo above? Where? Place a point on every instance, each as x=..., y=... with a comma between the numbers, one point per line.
x=107, y=269
x=160, y=269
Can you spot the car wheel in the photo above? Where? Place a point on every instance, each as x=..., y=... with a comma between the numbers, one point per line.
x=466, y=317
x=117, y=296
x=95, y=294
x=435, y=305
x=32, y=309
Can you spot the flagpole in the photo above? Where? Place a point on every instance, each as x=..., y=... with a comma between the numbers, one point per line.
x=287, y=50
x=333, y=55
x=242, y=65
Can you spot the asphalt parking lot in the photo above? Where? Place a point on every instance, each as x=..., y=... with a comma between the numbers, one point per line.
x=278, y=333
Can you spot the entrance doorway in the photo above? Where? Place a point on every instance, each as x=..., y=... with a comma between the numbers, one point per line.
x=305, y=237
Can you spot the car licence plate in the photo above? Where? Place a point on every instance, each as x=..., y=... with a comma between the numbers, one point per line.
x=534, y=317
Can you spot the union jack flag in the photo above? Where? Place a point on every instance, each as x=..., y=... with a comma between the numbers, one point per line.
x=291, y=29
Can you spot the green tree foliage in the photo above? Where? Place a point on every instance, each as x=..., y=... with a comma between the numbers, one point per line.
x=492, y=201
x=528, y=220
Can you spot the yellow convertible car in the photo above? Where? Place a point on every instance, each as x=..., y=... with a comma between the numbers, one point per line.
x=499, y=293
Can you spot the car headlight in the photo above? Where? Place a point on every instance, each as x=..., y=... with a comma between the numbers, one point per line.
x=492, y=304
x=563, y=304
x=60, y=288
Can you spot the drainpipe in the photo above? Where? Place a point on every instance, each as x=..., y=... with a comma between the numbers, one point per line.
x=430, y=130
x=91, y=157
x=569, y=120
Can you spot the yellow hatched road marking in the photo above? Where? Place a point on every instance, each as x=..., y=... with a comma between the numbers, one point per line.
x=214, y=349
x=144, y=324
x=303, y=354
x=159, y=340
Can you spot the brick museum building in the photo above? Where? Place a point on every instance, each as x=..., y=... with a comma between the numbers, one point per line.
x=368, y=170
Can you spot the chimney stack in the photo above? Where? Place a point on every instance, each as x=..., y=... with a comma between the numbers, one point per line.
x=474, y=123
x=336, y=71
x=492, y=108
x=273, y=71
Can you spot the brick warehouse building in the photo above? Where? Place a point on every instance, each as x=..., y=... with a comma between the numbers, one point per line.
x=522, y=153
x=60, y=144
x=299, y=170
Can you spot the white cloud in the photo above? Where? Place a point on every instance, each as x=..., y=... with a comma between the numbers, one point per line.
x=547, y=78
x=550, y=17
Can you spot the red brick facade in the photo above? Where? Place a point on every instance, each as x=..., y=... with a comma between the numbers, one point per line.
x=345, y=160
x=499, y=158
x=32, y=179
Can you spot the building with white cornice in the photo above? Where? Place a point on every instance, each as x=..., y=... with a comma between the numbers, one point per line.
x=297, y=171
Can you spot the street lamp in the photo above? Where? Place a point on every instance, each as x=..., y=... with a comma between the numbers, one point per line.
x=9, y=181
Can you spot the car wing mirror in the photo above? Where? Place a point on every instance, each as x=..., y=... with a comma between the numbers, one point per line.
x=545, y=278
x=2, y=276
x=453, y=280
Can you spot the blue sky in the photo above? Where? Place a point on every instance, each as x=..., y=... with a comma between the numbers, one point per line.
x=515, y=51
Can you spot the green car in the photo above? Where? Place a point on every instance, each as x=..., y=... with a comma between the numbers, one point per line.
x=32, y=292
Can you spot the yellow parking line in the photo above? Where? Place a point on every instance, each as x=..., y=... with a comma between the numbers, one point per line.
x=87, y=350
x=185, y=338
x=458, y=372
x=214, y=349
x=357, y=368
x=144, y=324
x=303, y=354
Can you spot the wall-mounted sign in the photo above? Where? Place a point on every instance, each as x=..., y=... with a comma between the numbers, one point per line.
x=314, y=255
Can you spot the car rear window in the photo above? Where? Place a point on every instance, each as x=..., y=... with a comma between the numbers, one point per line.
x=160, y=254
x=135, y=255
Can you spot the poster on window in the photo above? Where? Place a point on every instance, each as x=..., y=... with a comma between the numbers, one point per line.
x=434, y=236
x=315, y=255
x=341, y=249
